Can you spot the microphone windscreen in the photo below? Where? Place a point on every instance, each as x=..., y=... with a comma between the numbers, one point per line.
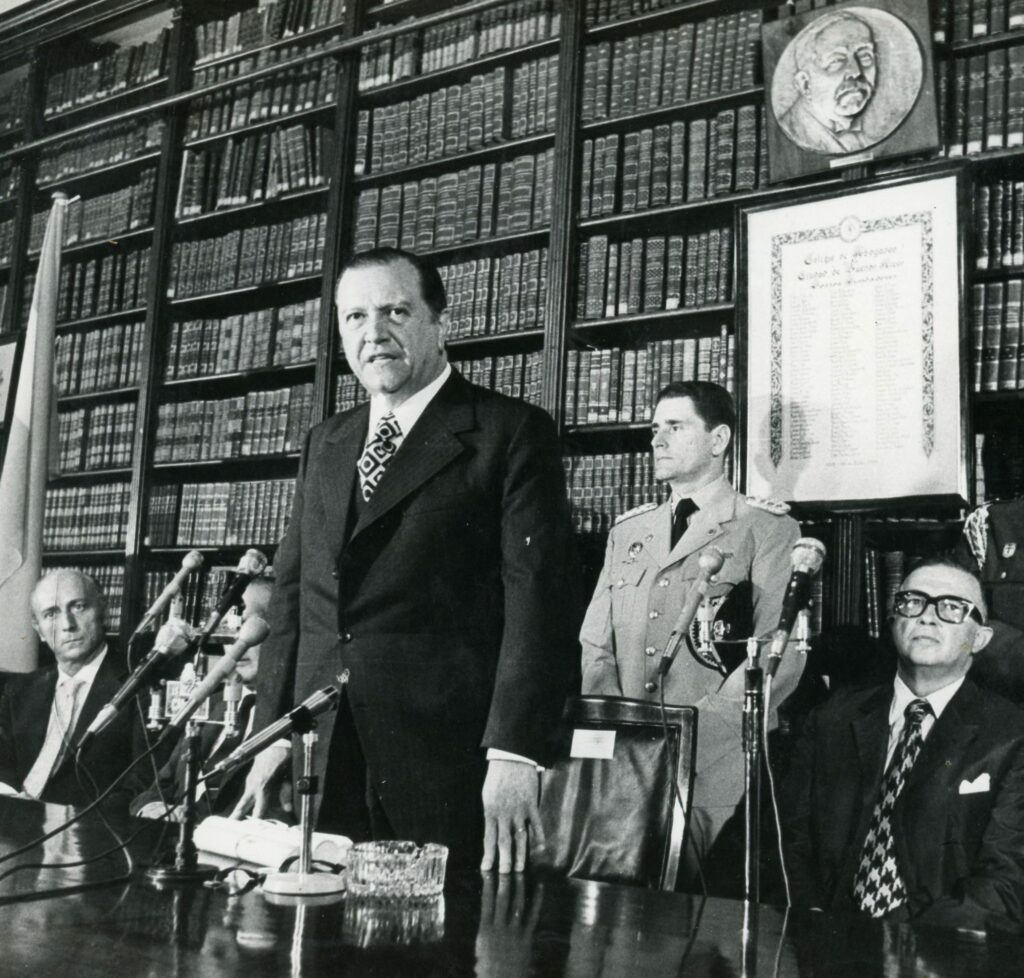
x=808, y=555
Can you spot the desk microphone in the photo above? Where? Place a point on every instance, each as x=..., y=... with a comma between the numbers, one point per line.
x=192, y=561
x=173, y=638
x=254, y=630
x=252, y=564
x=298, y=718
x=807, y=557
x=709, y=564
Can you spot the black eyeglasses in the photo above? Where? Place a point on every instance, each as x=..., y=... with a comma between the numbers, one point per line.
x=949, y=608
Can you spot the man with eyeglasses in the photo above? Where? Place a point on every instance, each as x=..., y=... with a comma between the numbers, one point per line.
x=906, y=801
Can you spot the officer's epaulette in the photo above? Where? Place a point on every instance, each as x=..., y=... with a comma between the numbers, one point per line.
x=636, y=511
x=774, y=506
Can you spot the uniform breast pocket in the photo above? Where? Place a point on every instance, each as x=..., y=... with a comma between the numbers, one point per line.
x=626, y=589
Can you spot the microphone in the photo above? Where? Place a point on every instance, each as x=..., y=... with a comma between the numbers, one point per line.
x=192, y=561
x=299, y=717
x=709, y=564
x=807, y=557
x=253, y=631
x=252, y=564
x=232, y=701
x=172, y=639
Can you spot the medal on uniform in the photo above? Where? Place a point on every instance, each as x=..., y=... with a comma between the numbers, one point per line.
x=1009, y=549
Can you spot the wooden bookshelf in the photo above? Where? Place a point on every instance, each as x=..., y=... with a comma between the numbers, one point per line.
x=556, y=332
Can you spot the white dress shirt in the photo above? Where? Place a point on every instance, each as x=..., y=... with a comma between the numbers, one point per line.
x=68, y=698
x=408, y=412
x=903, y=695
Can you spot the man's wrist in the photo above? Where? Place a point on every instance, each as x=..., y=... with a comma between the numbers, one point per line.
x=495, y=754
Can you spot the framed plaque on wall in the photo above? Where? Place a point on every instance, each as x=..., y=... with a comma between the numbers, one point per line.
x=855, y=350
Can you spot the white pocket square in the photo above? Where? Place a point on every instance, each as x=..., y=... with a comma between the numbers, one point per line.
x=981, y=783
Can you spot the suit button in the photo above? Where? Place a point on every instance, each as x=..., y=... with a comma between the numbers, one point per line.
x=344, y=637
x=652, y=615
x=620, y=582
x=650, y=650
x=334, y=573
x=663, y=582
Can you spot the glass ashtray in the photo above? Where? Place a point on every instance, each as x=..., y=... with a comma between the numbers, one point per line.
x=396, y=869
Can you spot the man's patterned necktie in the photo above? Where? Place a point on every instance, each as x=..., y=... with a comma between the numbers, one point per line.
x=878, y=887
x=379, y=451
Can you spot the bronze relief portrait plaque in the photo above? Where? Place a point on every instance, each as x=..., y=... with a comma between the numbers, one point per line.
x=849, y=84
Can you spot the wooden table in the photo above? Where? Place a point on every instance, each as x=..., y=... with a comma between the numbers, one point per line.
x=493, y=927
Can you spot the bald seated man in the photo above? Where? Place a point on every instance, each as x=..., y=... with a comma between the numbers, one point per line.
x=43, y=712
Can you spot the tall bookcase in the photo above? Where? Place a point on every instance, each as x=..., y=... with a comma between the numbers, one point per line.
x=576, y=169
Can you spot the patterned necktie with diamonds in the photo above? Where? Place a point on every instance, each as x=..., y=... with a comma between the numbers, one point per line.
x=878, y=887
x=379, y=451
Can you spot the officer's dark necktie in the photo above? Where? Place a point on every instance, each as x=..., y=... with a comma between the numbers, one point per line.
x=378, y=453
x=878, y=887
x=685, y=508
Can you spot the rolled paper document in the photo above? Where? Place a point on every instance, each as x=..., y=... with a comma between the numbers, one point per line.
x=262, y=842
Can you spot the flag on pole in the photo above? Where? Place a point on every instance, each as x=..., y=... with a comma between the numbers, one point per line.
x=26, y=464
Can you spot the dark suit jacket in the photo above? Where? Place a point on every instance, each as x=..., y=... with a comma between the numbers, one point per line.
x=451, y=599
x=25, y=714
x=961, y=855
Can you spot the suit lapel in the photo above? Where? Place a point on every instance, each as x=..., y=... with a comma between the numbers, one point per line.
x=871, y=738
x=35, y=708
x=427, y=449
x=658, y=522
x=948, y=740
x=104, y=686
x=336, y=473
x=706, y=525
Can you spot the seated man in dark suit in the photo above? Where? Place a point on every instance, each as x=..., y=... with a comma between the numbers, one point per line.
x=217, y=796
x=43, y=713
x=906, y=800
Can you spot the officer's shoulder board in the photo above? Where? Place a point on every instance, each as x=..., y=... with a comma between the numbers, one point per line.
x=774, y=506
x=636, y=511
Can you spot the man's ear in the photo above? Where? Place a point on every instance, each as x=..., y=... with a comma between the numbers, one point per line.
x=720, y=436
x=443, y=324
x=981, y=638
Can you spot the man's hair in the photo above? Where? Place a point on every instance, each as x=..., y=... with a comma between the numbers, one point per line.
x=431, y=286
x=953, y=562
x=712, y=402
x=806, y=40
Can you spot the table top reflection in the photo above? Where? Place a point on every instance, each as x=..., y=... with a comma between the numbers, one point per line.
x=487, y=926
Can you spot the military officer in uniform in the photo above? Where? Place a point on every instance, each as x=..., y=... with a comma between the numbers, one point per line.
x=651, y=561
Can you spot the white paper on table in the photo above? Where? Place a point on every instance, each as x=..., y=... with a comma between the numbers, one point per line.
x=263, y=842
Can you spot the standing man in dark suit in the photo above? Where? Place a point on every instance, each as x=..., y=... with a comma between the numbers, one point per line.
x=44, y=712
x=906, y=800
x=428, y=555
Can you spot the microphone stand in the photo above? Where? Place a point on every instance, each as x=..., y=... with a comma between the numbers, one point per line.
x=753, y=710
x=305, y=886
x=186, y=868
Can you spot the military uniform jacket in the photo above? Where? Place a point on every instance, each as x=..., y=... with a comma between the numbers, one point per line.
x=637, y=601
